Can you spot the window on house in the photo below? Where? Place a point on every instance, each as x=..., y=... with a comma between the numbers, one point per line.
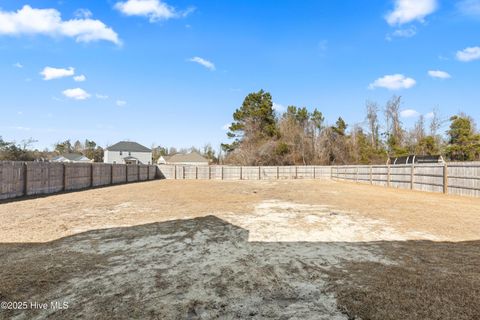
x=129, y=153
x=121, y=153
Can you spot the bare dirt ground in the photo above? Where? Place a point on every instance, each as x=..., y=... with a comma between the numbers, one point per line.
x=242, y=250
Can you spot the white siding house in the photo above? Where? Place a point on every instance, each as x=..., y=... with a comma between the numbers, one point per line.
x=127, y=152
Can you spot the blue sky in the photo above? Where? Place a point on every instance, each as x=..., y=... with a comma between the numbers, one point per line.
x=172, y=72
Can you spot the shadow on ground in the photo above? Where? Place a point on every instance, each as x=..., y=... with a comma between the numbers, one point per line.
x=205, y=268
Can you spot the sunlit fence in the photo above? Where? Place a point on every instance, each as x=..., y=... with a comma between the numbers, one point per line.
x=19, y=179
x=453, y=178
x=244, y=172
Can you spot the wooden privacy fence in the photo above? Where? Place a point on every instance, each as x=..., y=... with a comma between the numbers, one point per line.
x=244, y=172
x=19, y=179
x=451, y=178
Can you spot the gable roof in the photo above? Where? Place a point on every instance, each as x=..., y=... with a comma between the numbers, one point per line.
x=185, y=157
x=128, y=146
x=71, y=157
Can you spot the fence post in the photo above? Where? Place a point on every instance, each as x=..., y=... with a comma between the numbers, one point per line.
x=296, y=172
x=445, y=178
x=388, y=175
x=111, y=174
x=148, y=172
x=278, y=173
x=64, y=176
x=222, y=172
x=356, y=174
x=209, y=172
x=25, y=181
x=91, y=175
x=259, y=173
x=196, y=172
x=371, y=175
x=314, y=172
x=183, y=172
x=241, y=173
x=412, y=176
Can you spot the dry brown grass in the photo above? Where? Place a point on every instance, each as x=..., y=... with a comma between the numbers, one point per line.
x=48, y=218
x=243, y=249
x=429, y=280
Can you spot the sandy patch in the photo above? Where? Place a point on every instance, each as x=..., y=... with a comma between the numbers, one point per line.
x=276, y=221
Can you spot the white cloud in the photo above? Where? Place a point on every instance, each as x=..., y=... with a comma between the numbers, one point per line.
x=76, y=94
x=18, y=65
x=207, y=64
x=50, y=73
x=429, y=115
x=393, y=82
x=101, y=96
x=121, y=103
x=154, y=10
x=409, y=113
x=80, y=78
x=402, y=33
x=279, y=107
x=409, y=10
x=439, y=74
x=469, y=54
x=19, y=128
x=469, y=7
x=30, y=21
x=83, y=13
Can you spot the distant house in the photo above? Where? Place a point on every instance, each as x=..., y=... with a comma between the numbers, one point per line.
x=71, y=157
x=193, y=159
x=127, y=152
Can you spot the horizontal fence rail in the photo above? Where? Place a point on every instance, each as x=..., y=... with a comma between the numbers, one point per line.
x=18, y=179
x=453, y=178
x=181, y=172
x=450, y=178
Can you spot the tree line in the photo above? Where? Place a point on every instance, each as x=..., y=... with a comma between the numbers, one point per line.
x=298, y=136
x=11, y=151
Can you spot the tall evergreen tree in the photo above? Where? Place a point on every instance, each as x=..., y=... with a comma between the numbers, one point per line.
x=254, y=120
x=464, y=142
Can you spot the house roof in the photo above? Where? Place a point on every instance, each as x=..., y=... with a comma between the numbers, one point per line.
x=72, y=157
x=188, y=157
x=128, y=146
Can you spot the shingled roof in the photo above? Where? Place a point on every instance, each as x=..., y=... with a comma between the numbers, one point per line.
x=128, y=146
x=71, y=157
x=188, y=157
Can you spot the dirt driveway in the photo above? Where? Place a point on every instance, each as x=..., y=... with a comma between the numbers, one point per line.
x=241, y=250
